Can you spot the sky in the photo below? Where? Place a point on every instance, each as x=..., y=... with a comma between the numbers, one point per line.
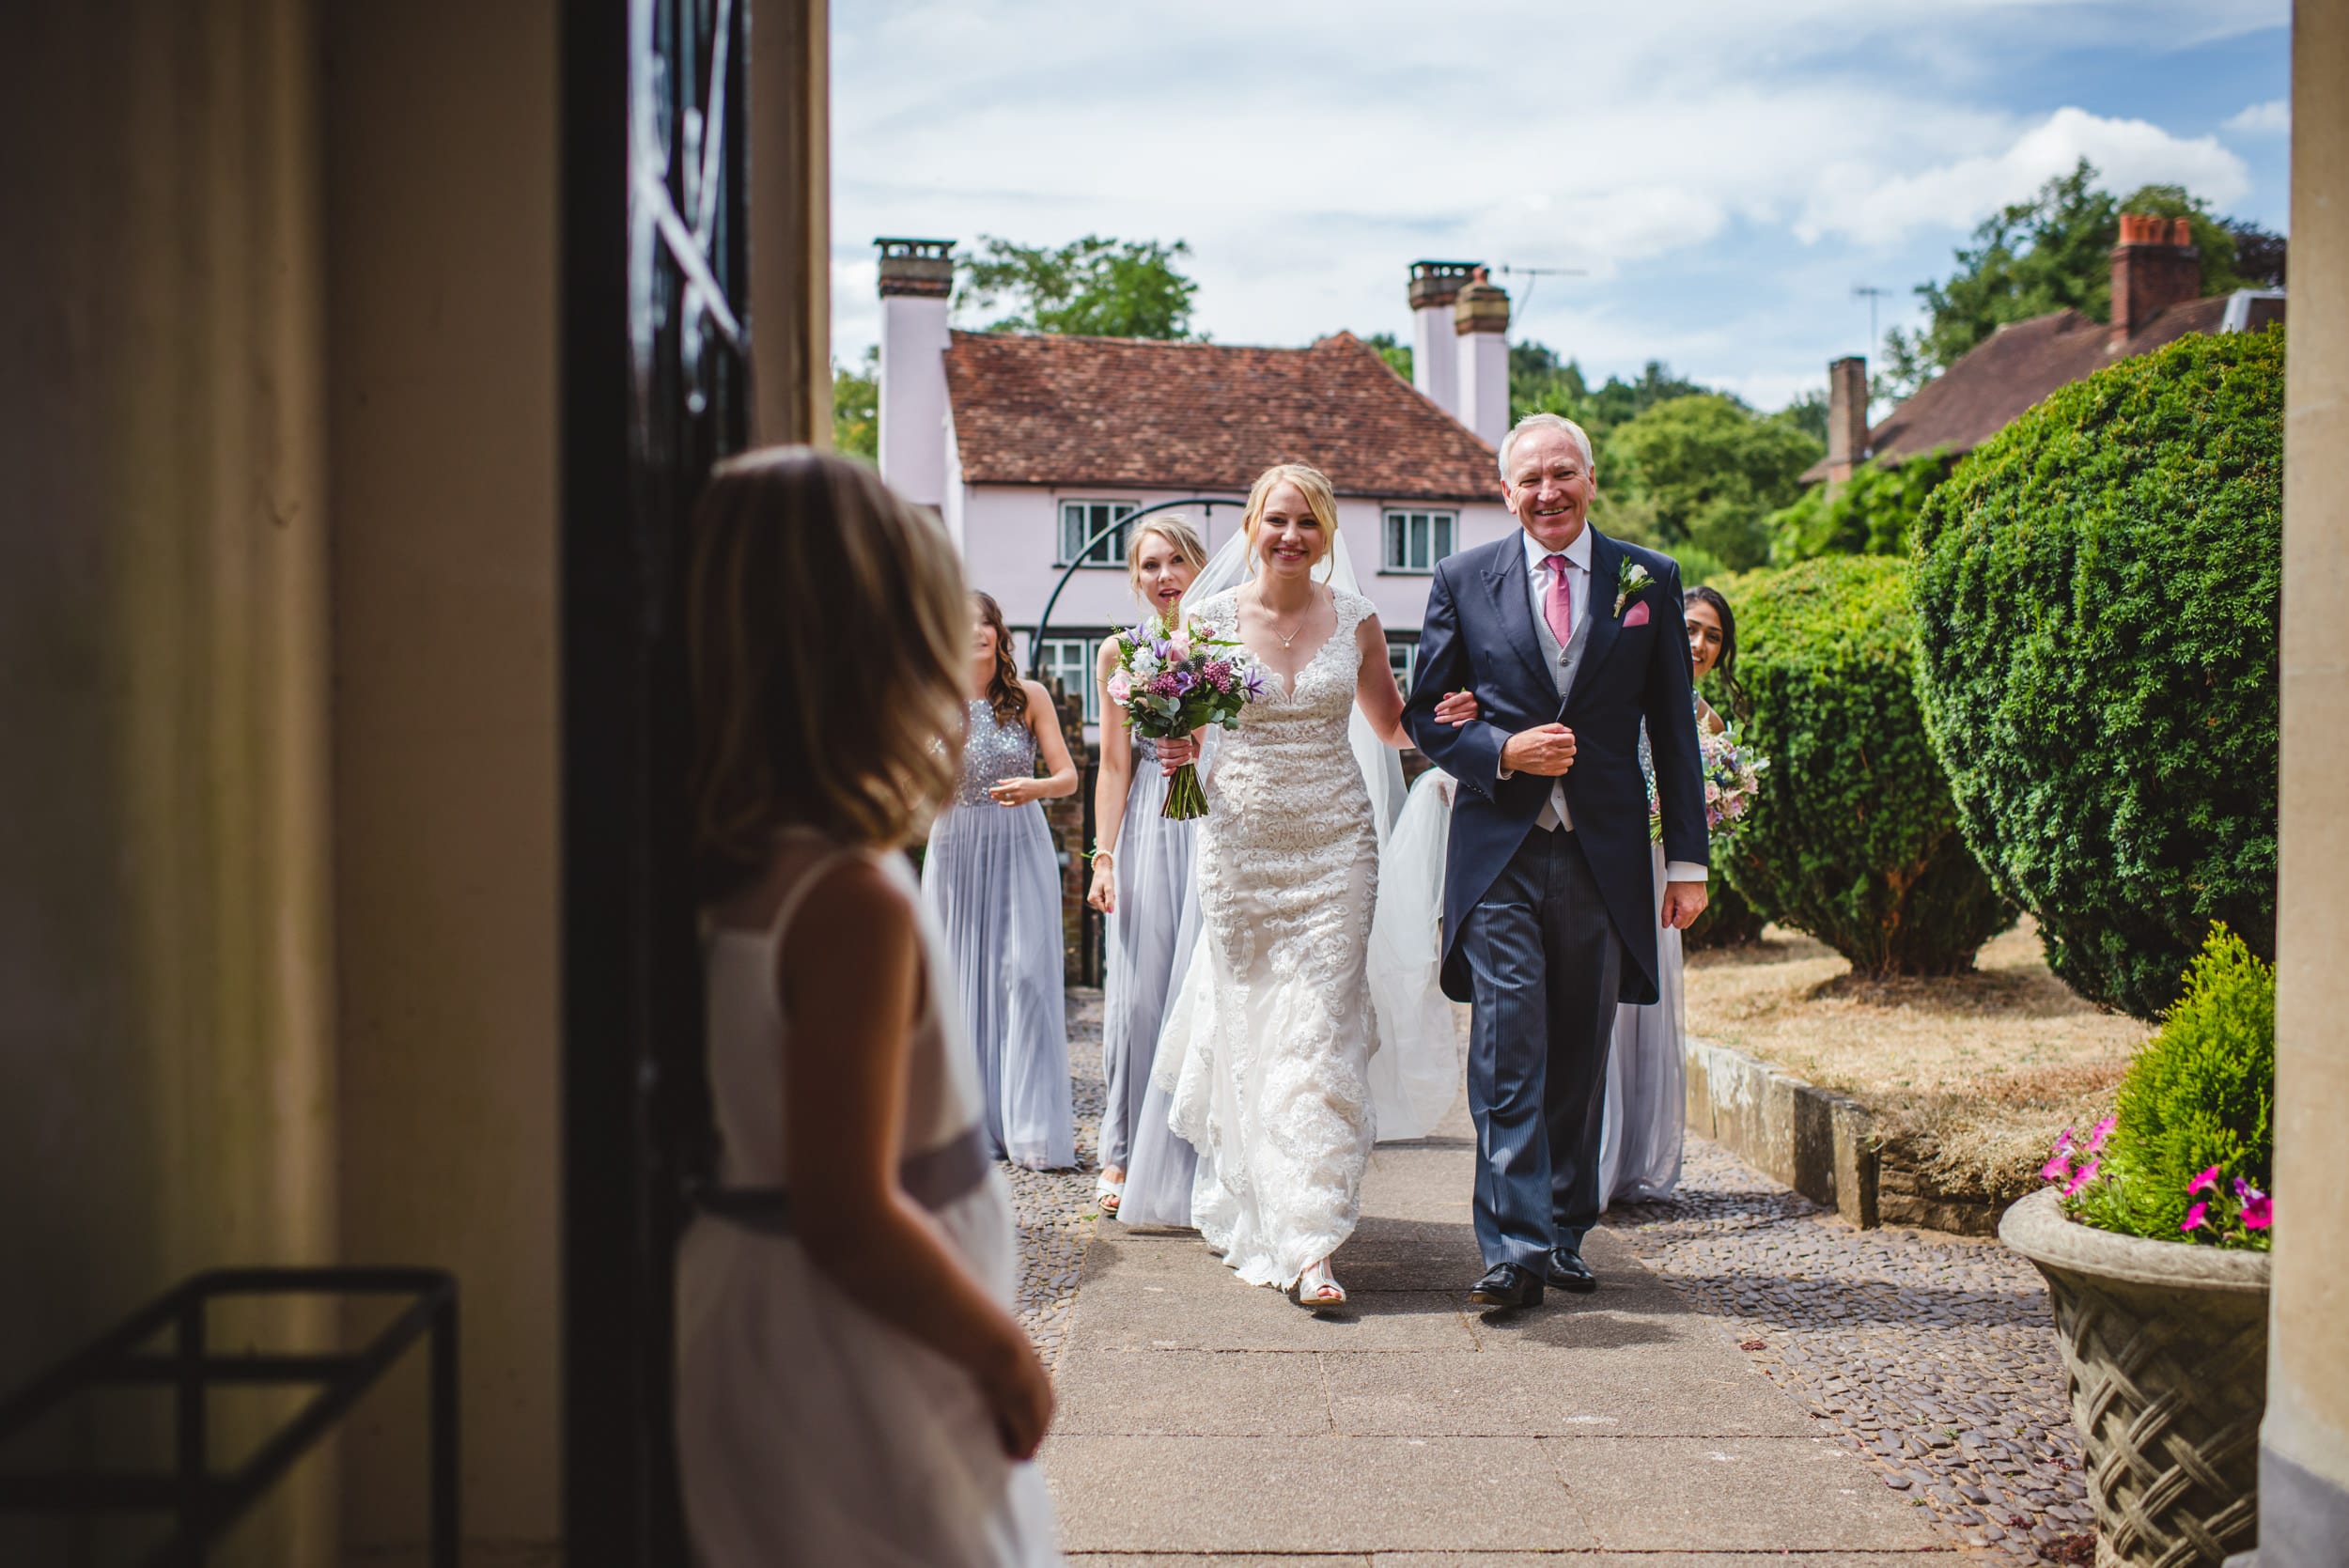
x=1721, y=174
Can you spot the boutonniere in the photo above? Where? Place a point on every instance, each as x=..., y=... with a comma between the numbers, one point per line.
x=1633, y=577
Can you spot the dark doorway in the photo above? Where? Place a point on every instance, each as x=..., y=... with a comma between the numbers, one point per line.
x=655, y=391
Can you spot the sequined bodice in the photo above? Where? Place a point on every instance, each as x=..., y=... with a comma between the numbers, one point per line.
x=992, y=751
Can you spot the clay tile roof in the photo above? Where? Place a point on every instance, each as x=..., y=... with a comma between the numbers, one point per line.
x=1137, y=412
x=2017, y=366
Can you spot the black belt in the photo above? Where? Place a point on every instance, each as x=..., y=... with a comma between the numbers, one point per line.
x=933, y=1179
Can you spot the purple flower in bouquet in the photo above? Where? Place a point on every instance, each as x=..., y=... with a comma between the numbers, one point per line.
x=1254, y=685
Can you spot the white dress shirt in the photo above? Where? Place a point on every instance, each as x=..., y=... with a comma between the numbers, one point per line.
x=1578, y=568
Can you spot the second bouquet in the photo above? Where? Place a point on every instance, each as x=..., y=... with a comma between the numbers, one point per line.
x=1171, y=682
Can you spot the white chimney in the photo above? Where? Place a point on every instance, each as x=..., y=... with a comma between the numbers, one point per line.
x=1480, y=322
x=1435, y=362
x=917, y=276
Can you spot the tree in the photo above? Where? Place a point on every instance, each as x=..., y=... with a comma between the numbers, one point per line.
x=1398, y=355
x=1712, y=470
x=1091, y=286
x=1808, y=413
x=2052, y=253
x=856, y=408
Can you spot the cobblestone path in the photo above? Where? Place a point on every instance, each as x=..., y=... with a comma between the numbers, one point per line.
x=1935, y=1353
x=1055, y=1207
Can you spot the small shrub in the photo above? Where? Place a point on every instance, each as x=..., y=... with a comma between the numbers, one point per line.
x=2098, y=592
x=2195, y=1116
x=1853, y=837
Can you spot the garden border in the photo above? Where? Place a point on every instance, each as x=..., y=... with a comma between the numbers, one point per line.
x=1821, y=1144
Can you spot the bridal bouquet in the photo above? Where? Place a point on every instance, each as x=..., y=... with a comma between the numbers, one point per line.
x=1173, y=680
x=1732, y=772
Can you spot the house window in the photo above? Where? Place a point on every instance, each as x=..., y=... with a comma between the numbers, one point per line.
x=1402, y=653
x=1417, y=540
x=1071, y=659
x=1080, y=519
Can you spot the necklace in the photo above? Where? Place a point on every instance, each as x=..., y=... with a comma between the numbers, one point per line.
x=1292, y=636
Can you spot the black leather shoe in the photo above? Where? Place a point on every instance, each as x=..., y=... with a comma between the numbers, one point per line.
x=1567, y=1271
x=1507, y=1285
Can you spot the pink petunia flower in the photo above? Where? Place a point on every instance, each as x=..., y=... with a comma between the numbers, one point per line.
x=2058, y=1169
x=2206, y=1181
x=2080, y=1178
x=2194, y=1216
x=2259, y=1210
x=2098, y=1134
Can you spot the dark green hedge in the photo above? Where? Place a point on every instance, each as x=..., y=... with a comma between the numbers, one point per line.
x=1730, y=918
x=2098, y=589
x=1854, y=838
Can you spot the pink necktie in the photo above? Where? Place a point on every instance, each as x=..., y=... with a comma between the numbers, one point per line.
x=1558, y=603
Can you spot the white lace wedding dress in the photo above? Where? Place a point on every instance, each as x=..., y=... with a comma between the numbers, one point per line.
x=1267, y=1051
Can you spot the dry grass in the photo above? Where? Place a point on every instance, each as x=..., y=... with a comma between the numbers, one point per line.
x=1972, y=1077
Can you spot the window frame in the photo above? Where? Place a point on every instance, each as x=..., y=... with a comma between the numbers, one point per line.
x=1395, y=542
x=1406, y=644
x=1122, y=511
x=1047, y=664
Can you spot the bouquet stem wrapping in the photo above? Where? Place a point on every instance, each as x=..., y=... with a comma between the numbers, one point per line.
x=1185, y=800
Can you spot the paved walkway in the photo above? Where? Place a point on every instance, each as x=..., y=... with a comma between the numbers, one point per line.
x=1203, y=1421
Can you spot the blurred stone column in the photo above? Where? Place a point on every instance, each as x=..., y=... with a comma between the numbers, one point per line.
x=2304, y=1469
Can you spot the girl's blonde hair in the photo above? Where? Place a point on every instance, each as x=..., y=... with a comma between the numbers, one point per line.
x=1320, y=499
x=829, y=639
x=1175, y=529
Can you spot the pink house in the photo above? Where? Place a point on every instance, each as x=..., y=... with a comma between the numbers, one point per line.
x=1028, y=447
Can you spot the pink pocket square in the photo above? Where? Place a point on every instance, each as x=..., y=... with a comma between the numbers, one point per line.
x=1637, y=617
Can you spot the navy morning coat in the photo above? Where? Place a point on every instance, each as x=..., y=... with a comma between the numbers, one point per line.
x=1479, y=636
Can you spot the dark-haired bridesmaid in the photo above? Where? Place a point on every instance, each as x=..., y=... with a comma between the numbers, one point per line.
x=991, y=880
x=1640, y=1134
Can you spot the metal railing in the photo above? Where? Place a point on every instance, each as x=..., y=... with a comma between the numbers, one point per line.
x=1077, y=561
x=204, y=1504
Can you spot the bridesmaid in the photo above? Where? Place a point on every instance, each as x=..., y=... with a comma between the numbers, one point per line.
x=1639, y=1135
x=851, y=1385
x=991, y=880
x=1141, y=882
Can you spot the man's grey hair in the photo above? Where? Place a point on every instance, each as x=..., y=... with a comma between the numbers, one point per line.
x=1546, y=422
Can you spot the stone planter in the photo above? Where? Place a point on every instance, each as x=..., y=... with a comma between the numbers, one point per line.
x=2165, y=1345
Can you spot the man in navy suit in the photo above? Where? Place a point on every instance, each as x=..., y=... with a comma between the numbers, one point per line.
x=1569, y=640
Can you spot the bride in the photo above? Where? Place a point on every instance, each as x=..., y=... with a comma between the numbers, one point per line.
x=1266, y=1053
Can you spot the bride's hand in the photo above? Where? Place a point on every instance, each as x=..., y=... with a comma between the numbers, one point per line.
x=1174, y=753
x=1457, y=707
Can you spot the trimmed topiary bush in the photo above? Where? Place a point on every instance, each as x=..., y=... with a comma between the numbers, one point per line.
x=1730, y=918
x=2196, y=1114
x=2098, y=589
x=1852, y=838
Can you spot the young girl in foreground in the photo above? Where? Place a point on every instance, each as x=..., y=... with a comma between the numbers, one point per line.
x=852, y=1386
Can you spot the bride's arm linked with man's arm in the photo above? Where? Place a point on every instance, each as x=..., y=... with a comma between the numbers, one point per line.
x=1476, y=754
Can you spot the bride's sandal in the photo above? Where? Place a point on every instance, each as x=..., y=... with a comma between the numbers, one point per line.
x=1315, y=1289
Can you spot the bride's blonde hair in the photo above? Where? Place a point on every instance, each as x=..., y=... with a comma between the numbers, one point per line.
x=1320, y=500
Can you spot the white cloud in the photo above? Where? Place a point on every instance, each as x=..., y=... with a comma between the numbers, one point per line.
x=2127, y=153
x=1309, y=150
x=2271, y=118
